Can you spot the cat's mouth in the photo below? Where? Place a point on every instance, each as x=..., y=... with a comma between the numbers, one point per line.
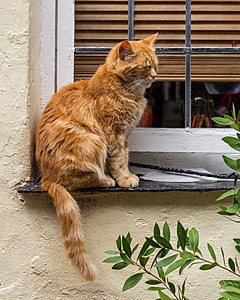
x=150, y=82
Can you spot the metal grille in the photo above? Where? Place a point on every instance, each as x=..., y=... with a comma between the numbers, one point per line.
x=187, y=50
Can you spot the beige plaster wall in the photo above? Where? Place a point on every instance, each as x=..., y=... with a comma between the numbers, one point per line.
x=32, y=260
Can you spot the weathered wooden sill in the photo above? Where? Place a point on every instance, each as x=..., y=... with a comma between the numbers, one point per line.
x=147, y=186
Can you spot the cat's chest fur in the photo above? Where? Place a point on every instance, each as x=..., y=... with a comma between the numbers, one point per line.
x=116, y=109
x=121, y=115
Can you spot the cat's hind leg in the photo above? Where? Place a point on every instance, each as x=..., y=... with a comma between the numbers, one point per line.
x=84, y=164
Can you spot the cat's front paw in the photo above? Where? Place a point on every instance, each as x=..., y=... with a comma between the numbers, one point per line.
x=129, y=180
x=108, y=182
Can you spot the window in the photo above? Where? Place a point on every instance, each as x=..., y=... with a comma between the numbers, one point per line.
x=199, y=69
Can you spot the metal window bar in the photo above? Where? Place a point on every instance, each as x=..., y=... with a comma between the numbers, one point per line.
x=188, y=65
x=131, y=20
x=188, y=50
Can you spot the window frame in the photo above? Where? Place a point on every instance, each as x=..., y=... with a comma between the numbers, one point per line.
x=58, y=70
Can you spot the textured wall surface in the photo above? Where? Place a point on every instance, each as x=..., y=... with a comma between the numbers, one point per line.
x=32, y=260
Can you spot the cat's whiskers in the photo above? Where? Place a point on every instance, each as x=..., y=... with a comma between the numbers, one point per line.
x=133, y=85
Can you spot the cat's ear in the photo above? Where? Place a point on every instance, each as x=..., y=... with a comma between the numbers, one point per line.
x=151, y=39
x=125, y=50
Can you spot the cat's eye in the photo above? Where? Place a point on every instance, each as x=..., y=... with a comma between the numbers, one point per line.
x=149, y=67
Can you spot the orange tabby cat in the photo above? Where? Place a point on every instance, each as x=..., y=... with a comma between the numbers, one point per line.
x=83, y=136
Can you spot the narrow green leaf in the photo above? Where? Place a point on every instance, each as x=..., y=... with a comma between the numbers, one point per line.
x=177, y=264
x=143, y=249
x=235, y=208
x=161, y=253
x=235, y=126
x=156, y=229
x=161, y=274
x=182, y=237
x=230, y=118
x=223, y=256
x=222, y=121
x=119, y=243
x=225, y=213
x=113, y=259
x=186, y=254
x=171, y=286
x=231, y=264
x=149, y=251
x=194, y=239
x=155, y=289
x=187, y=263
x=111, y=252
x=236, y=264
x=232, y=142
x=232, y=163
x=132, y=281
x=164, y=296
x=152, y=282
x=184, y=287
x=230, y=193
x=143, y=261
x=212, y=252
x=237, y=248
x=129, y=238
x=166, y=232
x=230, y=295
x=230, y=285
x=237, y=241
x=126, y=246
x=166, y=261
x=234, y=112
x=208, y=266
x=152, y=243
x=120, y=265
x=135, y=248
x=238, y=116
x=126, y=258
x=162, y=241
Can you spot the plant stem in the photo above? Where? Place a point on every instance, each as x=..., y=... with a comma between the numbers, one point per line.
x=157, y=278
x=209, y=262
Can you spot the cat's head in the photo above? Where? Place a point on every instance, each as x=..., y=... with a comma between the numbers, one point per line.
x=135, y=62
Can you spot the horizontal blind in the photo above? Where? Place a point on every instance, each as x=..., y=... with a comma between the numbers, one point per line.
x=100, y=22
x=215, y=23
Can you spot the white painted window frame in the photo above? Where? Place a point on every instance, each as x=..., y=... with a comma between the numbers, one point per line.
x=58, y=70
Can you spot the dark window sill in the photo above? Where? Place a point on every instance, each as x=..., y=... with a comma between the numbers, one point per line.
x=147, y=186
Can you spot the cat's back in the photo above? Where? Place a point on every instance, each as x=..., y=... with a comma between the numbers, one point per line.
x=64, y=100
x=62, y=113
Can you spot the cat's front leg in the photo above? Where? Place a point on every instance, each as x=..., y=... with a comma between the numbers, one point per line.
x=129, y=180
x=118, y=164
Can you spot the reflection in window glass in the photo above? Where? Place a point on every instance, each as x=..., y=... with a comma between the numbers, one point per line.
x=165, y=105
x=211, y=99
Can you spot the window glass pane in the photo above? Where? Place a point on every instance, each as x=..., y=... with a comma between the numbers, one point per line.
x=213, y=99
x=215, y=87
x=215, y=23
x=162, y=16
x=165, y=105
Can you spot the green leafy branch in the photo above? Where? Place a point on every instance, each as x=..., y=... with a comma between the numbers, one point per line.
x=234, y=142
x=158, y=258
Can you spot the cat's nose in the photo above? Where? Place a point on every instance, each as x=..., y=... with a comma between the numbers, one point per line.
x=153, y=74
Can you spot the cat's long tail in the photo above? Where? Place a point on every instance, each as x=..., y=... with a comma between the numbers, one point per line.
x=69, y=216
